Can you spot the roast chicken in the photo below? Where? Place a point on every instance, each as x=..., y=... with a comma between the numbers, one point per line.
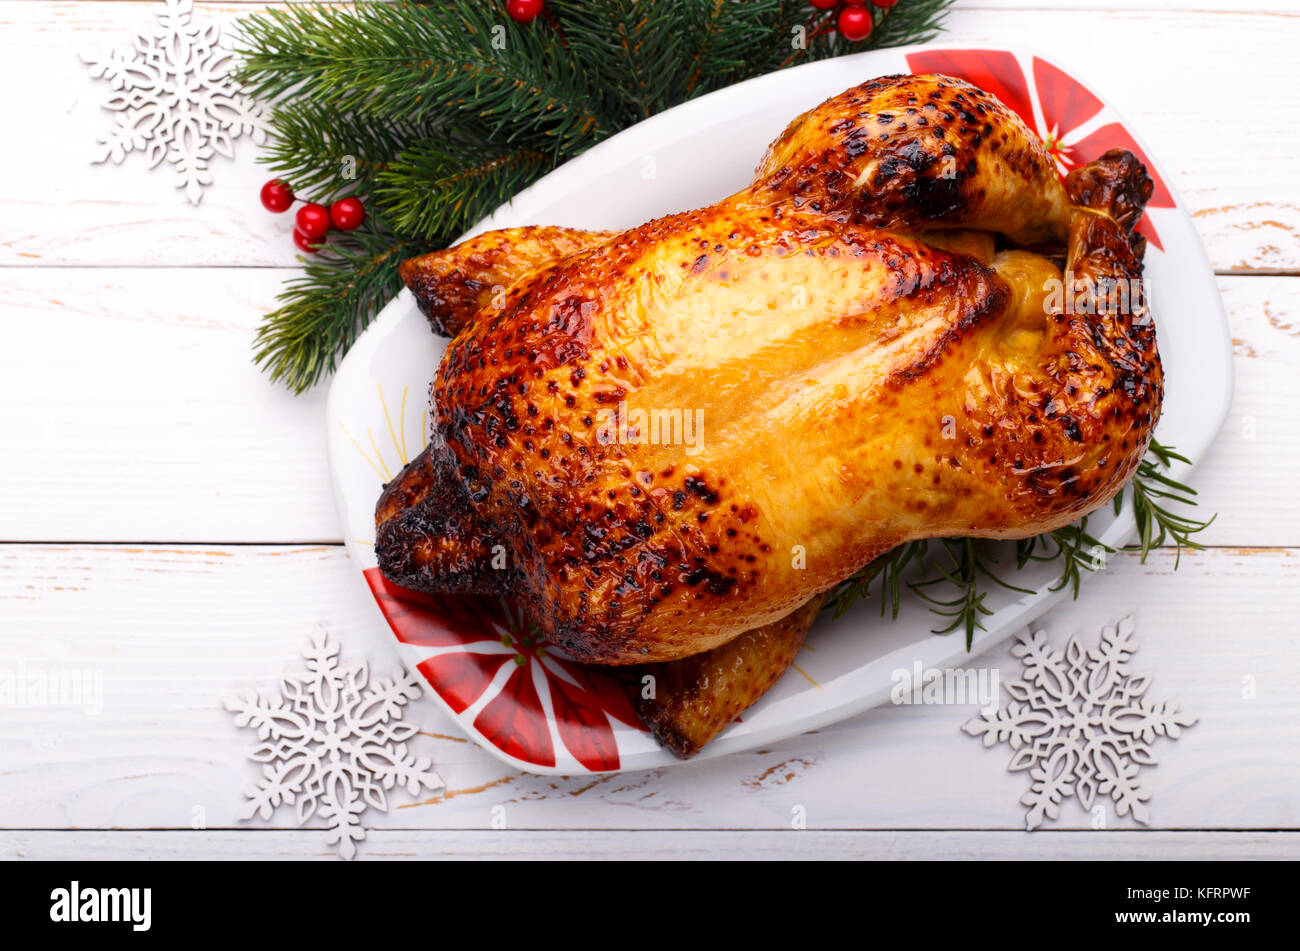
x=669, y=443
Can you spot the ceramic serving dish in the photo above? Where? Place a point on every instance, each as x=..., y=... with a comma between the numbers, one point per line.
x=520, y=698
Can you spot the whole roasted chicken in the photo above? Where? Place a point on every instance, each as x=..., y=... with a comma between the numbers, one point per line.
x=671, y=442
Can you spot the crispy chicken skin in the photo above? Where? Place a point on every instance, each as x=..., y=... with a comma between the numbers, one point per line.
x=450, y=289
x=698, y=697
x=428, y=537
x=857, y=385
x=903, y=152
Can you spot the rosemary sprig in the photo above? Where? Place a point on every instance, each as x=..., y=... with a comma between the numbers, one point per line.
x=1153, y=492
x=1076, y=549
x=968, y=562
x=889, y=568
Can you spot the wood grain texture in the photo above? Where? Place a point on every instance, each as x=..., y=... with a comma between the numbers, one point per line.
x=602, y=846
x=1227, y=148
x=174, y=630
x=130, y=410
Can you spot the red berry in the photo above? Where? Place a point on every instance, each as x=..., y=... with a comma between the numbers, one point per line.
x=347, y=213
x=823, y=4
x=277, y=196
x=855, y=23
x=313, y=220
x=305, y=243
x=884, y=4
x=524, y=11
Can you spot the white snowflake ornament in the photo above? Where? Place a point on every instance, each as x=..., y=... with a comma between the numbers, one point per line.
x=1079, y=724
x=175, y=98
x=332, y=743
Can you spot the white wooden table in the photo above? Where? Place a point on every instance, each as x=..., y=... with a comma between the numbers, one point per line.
x=166, y=514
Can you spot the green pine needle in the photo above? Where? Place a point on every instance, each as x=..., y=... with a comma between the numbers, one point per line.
x=302, y=340
x=968, y=560
x=890, y=568
x=436, y=191
x=1153, y=494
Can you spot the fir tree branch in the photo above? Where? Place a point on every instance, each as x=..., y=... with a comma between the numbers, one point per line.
x=642, y=43
x=420, y=63
x=906, y=23
x=302, y=340
x=434, y=193
x=325, y=154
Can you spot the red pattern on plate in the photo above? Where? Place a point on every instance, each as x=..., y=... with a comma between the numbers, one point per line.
x=1065, y=104
x=475, y=639
x=515, y=722
x=428, y=619
x=1068, y=102
x=461, y=678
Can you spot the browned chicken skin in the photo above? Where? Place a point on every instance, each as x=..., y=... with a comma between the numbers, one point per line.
x=867, y=369
x=698, y=697
x=451, y=289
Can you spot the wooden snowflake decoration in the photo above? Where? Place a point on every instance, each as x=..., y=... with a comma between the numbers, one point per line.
x=332, y=743
x=175, y=99
x=1079, y=724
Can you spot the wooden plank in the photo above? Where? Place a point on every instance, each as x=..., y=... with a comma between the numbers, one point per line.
x=172, y=631
x=130, y=410
x=617, y=845
x=56, y=210
x=1247, y=476
x=145, y=374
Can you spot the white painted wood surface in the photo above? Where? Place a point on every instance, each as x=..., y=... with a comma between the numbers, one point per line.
x=600, y=845
x=166, y=519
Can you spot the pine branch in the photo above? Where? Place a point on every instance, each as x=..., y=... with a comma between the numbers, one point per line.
x=418, y=63
x=643, y=43
x=433, y=193
x=303, y=339
x=905, y=23
x=326, y=154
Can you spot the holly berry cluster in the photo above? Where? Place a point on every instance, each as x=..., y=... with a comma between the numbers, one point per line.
x=313, y=221
x=855, y=20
